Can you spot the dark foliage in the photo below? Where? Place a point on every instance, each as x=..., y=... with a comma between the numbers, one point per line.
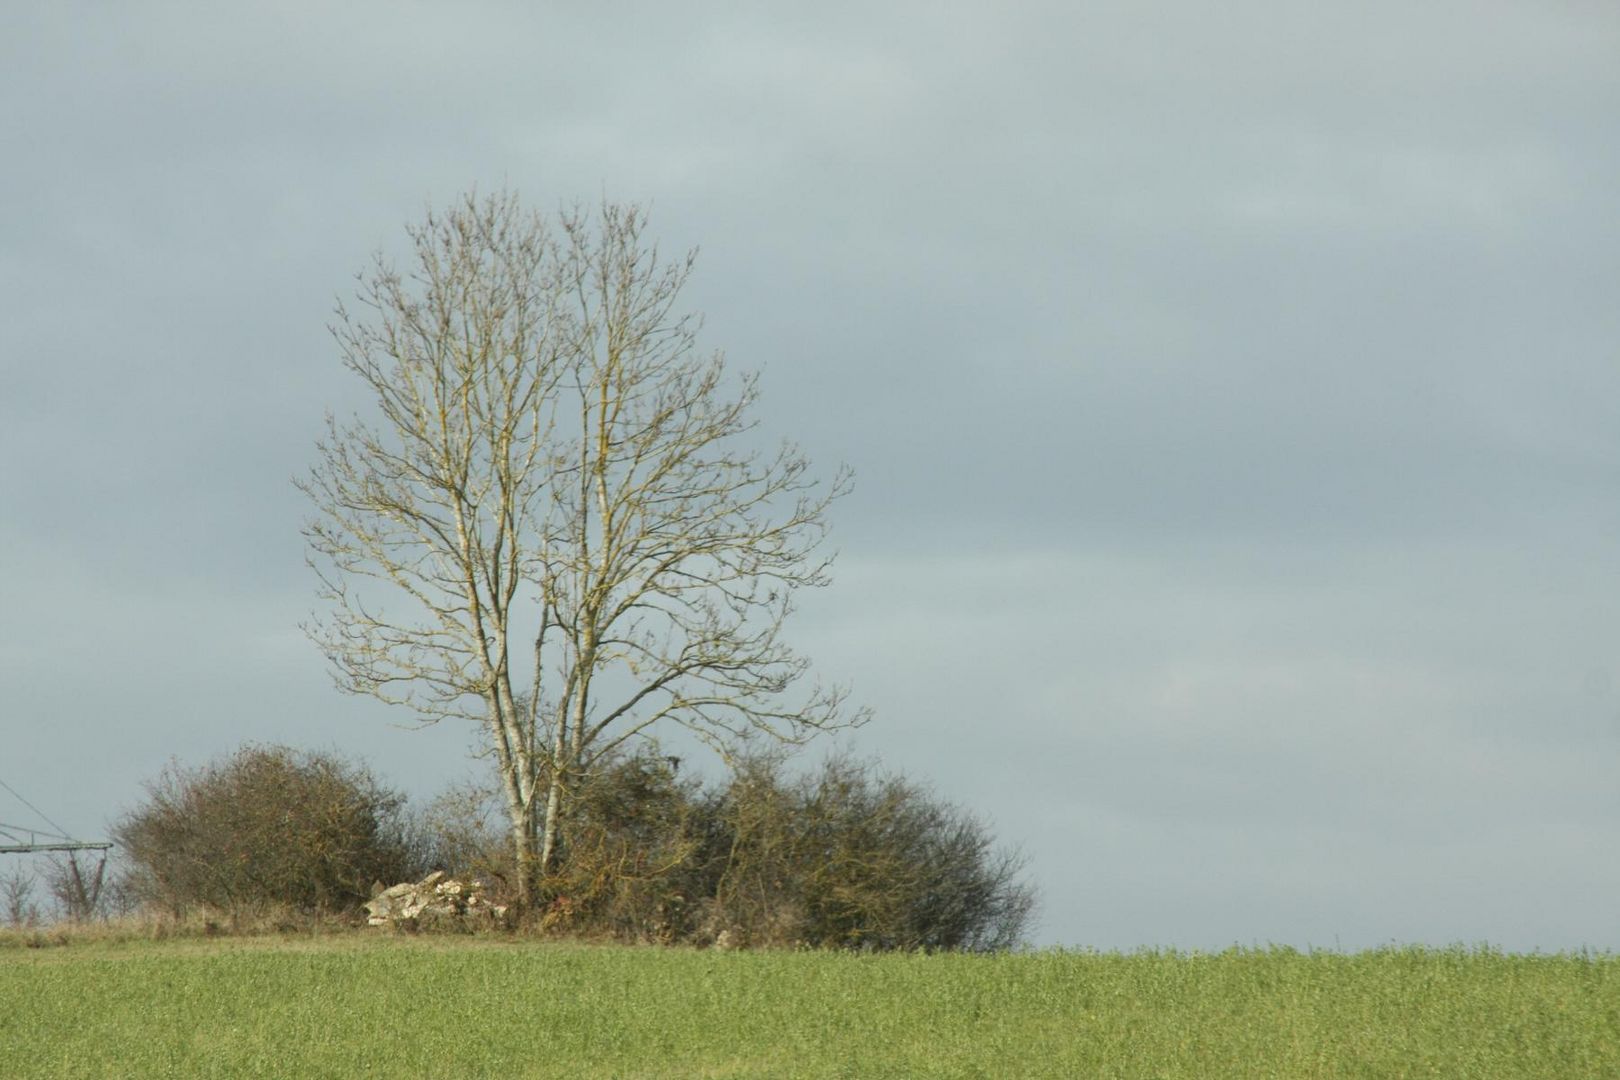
x=842, y=856
x=847, y=856
x=266, y=827
x=633, y=867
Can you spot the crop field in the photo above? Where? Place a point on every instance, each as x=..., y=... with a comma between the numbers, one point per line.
x=361, y=1005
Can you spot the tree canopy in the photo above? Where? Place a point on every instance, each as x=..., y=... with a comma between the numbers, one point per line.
x=552, y=524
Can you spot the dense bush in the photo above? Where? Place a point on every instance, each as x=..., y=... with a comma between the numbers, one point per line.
x=847, y=856
x=266, y=827
x=841, y=856
x=635, y=864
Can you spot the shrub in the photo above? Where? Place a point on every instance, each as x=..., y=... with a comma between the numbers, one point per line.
x=847, y=856
x=843, y=856
x=840, y=856
x=633, y=866
x=267, y=827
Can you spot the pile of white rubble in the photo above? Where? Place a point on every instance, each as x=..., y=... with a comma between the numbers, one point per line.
x=435, y=896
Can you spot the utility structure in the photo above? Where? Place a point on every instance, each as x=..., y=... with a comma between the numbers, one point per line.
x=21, y=839
x=79, y=892
x=16, y=840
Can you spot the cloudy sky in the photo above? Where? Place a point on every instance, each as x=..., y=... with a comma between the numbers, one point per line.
x=1233, y=390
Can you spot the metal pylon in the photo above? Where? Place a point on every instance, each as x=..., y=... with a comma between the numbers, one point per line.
x=12, y=840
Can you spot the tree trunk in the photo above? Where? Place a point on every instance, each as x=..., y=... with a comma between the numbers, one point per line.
x=555, y=773
x=548, y=842
x=524, y=857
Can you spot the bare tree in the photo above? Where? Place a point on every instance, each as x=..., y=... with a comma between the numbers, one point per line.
x=556, y=494
x=16, y=898
x=76, y=889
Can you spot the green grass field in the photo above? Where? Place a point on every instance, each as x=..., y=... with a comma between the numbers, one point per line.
x=362, y=1005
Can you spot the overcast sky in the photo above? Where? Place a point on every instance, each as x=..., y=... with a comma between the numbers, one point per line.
x=1233, y=391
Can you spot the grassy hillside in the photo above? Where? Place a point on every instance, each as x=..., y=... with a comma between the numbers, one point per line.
x=361, y=1005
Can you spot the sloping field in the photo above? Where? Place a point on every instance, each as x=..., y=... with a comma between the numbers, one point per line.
x=360, y=1005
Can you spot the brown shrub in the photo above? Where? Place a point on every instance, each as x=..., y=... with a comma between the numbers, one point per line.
x=269, y=828
x=842, y=856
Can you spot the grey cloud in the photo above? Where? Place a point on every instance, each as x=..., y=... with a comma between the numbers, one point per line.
x=1272, y=747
